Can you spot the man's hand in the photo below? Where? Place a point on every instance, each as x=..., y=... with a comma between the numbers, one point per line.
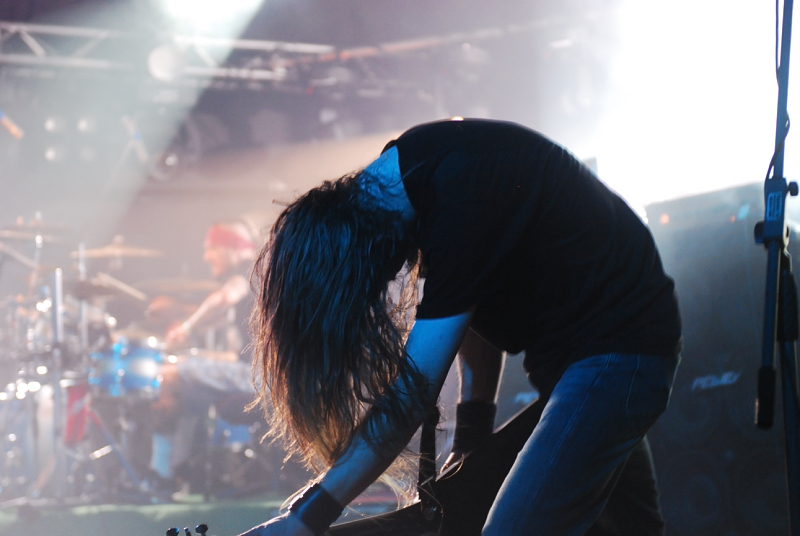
x=285, y=525
x=177, y=334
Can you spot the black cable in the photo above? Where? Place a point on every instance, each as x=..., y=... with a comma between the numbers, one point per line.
x=780, y=145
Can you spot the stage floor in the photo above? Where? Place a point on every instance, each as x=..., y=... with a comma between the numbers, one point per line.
x=224, y=517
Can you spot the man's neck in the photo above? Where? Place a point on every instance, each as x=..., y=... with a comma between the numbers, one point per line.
x=385, y=184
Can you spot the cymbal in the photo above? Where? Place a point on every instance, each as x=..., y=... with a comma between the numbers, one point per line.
x=84, y=290
x=115, y=251
x=178, y=285
x=26, y=235
x=36, y=226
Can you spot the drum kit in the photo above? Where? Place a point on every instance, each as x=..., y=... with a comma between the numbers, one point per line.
x=62, y=357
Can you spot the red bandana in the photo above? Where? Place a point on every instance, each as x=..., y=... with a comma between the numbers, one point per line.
x=219, y=236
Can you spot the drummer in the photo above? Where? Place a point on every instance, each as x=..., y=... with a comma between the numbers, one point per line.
x=221, y=366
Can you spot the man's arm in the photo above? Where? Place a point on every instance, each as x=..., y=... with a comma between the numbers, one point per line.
x=232, y=292
x=432, y=345
x=480, y=366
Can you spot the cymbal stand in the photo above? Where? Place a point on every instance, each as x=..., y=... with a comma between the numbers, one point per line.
x=33, y=264
x=58, y=425
x=37, y=259
x=83, y=313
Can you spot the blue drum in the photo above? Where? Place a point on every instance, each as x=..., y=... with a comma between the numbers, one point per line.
x=127, y=370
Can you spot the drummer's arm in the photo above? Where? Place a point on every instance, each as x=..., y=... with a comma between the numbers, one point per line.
x=231, y=293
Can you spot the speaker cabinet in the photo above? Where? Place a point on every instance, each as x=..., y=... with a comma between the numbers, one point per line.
x=718, y=473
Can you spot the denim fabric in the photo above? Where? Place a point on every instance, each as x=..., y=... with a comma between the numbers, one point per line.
x=596, y=417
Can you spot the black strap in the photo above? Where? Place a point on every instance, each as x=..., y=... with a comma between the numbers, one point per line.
x=316, y=508
x=474, y=423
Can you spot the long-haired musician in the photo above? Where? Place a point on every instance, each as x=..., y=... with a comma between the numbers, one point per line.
x=521, y=247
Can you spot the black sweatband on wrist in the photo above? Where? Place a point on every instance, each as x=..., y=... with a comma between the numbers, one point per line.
x=474, y=423
x=317, y=509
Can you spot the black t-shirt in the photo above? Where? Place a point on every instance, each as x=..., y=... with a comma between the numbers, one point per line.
x=553, y=262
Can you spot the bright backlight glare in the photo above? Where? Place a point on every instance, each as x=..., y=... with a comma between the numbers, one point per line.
x=227, y=17
x=694, y=97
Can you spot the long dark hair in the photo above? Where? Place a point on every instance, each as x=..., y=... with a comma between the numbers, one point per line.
x=329, y=336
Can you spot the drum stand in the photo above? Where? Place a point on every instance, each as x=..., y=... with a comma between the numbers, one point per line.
x=18, y=433
x=56, y=468
x=112, y=446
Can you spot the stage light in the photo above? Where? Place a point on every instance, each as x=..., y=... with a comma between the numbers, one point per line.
x=54, y=153
x=209, y=9
x=166, y=62
x=54, y=124
x=86, y=125
x=328, y=115
x=209, y=16
x=166, y=166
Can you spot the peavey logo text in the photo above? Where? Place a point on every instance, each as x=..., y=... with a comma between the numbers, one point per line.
x=711, y=381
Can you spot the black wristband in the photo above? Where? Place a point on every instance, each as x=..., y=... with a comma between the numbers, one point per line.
x=317, y=509
x=474, y=423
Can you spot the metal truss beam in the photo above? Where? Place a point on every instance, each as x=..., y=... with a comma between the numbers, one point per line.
x=202, y=59
x=36, y=50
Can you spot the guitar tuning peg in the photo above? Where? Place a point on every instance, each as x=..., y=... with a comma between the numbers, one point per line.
x=187, y=531
x=201, y=529
x=174, y=531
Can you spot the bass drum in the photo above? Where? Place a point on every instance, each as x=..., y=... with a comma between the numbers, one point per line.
x=128, y=369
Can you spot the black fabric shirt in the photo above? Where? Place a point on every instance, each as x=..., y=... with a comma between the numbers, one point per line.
x=553, y=261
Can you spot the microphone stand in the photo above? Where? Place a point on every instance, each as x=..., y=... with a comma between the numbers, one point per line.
x=780, y=306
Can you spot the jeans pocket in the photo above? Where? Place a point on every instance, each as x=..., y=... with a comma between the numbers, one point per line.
x=648, y=393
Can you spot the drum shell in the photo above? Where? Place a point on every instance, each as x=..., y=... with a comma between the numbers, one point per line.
x=129, y=371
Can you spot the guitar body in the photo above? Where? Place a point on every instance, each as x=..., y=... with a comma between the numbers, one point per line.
x=464, y=494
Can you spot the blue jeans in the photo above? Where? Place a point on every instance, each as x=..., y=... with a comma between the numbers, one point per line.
x=565, y=475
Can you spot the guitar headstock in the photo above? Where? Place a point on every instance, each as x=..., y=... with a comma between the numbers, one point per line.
x=201, y=529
